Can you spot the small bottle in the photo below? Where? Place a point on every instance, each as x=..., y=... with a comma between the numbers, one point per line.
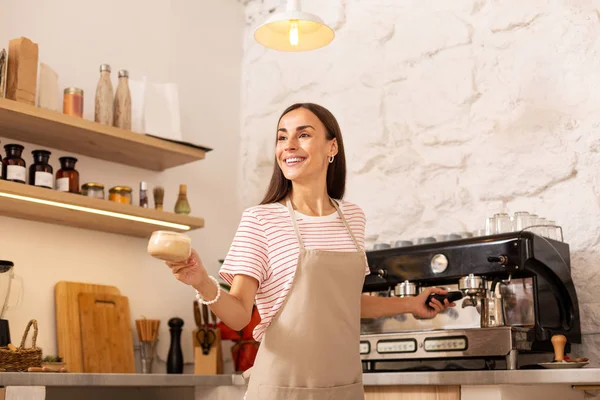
x=182, y=206
x=40, y=172
x=103, y=112
x=67, y=177
x=143, y=194
x=122, y=104
x=13, y=166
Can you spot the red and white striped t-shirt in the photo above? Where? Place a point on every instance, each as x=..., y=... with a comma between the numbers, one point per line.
x=265, y=247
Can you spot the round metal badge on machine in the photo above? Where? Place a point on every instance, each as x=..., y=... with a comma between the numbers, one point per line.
x=439, y=263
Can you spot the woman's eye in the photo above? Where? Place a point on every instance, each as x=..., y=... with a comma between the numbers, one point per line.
x=280, y=138
x=304, y=134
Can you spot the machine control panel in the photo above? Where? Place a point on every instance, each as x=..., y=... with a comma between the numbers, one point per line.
x=458, y=343
x=365, y=347
x=397, y=346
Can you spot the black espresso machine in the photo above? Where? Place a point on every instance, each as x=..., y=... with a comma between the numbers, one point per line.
x=513, y=292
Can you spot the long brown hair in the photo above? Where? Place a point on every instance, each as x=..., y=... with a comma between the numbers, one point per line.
x=280, y=186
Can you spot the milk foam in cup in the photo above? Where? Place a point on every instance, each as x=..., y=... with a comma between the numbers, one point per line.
x=170, y=246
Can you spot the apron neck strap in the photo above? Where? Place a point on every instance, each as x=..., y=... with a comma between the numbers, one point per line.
x=288, y=202
x=295, y=223
x=346, y=225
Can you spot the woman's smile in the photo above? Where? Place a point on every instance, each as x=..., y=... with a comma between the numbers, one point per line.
x=294, y=161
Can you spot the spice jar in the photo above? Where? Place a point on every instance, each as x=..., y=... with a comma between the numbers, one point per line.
x=13, y=166
x=40, y=172
x=73, y=102
x=143, y=194
x=67, y=177
x=92, y=189
x=120, y=194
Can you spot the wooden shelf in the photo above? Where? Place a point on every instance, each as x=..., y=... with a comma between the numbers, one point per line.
x=51, y=206
x=52, y=129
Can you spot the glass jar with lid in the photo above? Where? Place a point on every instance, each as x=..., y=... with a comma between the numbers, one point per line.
x=67, y=177
x=120, y=194
x=92, y=189
x=73, y=102
x=13, y=166
x=41, y=172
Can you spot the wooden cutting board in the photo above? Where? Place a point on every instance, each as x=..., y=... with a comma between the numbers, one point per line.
x=106, y=335
x=68, y=329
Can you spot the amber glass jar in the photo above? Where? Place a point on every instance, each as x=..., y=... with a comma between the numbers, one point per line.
x=73, y=102
x=13, y=166
x=40, y=172
x=67, y=177
x=120, y=194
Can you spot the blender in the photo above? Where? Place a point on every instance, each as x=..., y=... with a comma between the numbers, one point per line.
x=7, y=276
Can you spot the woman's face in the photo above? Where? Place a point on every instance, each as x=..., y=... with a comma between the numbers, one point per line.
x=303, y=150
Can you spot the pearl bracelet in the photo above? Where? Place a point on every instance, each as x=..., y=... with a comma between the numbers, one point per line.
x=202, y=301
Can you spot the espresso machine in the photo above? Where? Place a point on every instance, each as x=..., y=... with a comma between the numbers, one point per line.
x=513, y=292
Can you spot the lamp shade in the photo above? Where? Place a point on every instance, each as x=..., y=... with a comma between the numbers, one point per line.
x=293, y=30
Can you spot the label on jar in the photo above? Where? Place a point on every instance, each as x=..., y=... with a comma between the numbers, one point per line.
x=62, y=184
x=16, y=172
x=43, y=179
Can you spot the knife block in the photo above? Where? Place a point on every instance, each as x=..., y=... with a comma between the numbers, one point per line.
x=211, y=363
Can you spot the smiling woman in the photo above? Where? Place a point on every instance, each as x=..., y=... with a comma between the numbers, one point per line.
x=300, y=256
x=314, y=131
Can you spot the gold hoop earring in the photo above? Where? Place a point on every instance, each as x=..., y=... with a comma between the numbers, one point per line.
x=331, y=159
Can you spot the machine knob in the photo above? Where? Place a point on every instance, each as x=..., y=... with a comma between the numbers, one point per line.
x=502, y=260
x=439, y=263
x=382, y=273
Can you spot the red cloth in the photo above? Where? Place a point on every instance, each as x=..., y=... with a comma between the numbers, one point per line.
x=245, y=349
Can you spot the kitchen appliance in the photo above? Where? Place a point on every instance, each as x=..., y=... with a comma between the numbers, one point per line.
x=489, y=328
x=7, y=276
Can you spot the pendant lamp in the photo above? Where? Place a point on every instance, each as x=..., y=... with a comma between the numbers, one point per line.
x=293, y=30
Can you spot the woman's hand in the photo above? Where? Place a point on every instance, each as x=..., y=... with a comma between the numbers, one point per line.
x=190, y=271
x=422, y=310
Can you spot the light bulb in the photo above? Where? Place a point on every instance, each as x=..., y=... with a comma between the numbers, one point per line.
x=294, y=33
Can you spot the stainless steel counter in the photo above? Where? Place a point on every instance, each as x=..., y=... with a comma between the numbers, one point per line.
x=584, y=376
x=587, y=376
x=106, y=380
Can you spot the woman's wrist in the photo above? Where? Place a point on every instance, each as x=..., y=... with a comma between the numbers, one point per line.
x=407, y=305
x=204, y=284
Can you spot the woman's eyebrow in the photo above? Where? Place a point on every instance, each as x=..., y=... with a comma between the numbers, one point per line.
x=299, y=128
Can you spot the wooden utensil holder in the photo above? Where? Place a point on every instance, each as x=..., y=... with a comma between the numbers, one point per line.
x=211, y=363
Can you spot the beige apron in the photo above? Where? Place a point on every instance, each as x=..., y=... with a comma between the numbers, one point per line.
x=310, y=351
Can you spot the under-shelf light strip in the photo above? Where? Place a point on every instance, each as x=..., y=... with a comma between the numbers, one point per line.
x=96, y=211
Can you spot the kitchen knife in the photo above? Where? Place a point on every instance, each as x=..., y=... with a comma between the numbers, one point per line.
x=205, y=316
x=197, y=316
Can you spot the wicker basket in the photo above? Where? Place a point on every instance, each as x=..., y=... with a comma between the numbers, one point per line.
x=21, y=359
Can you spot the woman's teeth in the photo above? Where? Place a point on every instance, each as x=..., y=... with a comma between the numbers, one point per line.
x=294, y=161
